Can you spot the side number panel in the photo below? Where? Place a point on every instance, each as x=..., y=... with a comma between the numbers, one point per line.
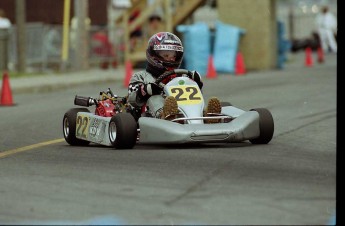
x=82, y=126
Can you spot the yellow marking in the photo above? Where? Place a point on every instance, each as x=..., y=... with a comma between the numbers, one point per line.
x=186, y=95
x=82, y=129
x=65, y=31
x=27, y=148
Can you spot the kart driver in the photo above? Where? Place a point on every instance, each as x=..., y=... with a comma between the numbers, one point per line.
x=164, y=53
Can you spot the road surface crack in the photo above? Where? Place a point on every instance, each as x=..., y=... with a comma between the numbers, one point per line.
x=197, y=185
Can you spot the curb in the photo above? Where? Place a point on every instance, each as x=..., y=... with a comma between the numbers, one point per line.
x=56, y=87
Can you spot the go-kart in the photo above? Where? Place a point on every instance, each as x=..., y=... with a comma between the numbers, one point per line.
x=116, y=123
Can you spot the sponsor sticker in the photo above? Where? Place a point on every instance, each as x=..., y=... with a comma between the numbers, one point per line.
x=97, y=130
x=168, y=47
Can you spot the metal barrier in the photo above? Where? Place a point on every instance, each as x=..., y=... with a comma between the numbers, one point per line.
x=44, y=48
x=34, y=47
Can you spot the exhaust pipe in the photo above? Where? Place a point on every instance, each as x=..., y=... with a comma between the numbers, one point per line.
x=84, y=101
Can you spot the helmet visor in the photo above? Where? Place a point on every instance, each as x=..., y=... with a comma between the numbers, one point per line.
x=167, y=55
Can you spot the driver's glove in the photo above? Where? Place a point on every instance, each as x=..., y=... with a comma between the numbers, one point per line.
x=197, y=78
x=147, y=90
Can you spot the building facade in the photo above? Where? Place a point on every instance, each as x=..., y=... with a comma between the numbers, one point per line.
x=51, y=11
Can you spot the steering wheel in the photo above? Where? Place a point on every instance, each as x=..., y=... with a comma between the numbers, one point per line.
x=178, y=72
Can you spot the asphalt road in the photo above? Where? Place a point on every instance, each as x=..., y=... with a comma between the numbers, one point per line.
x=292, y=180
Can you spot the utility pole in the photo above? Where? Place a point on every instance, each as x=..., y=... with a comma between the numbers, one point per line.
x=82, y=35
x=21, y=35
x=66, y=34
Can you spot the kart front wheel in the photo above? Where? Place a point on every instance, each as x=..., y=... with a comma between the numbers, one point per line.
x=69, y=127
x=123, y=131
x=266, y=126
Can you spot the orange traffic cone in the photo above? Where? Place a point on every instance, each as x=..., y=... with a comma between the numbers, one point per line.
x=6, y=93
x=308, y=57
x=211, y=71
x=128, y=73
x=240, y=67
x=320, y=56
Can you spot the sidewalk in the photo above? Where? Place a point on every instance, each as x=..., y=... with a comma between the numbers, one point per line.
x=50, y=82
x=59, y=81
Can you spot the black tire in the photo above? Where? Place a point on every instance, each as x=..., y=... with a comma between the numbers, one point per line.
x=69, y=127
x=123, y=131
x=266, y=125
x=225, y=104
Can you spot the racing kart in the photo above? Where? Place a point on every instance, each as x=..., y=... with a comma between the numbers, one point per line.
x=116, y=123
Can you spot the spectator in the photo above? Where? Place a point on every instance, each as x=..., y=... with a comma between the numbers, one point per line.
x=137, y=33
x=4, y=22
x=155, y=20
x=102, y=47
x=155, y=24
x=53, y=40
x=327, y=27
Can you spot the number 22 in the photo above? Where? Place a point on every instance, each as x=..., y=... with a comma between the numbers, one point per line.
x=192, y=90
x=82, y=125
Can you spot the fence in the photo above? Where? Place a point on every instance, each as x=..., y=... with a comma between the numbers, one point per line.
x=44, y=48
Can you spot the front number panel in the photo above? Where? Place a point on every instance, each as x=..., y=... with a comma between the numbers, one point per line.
x=186, y=95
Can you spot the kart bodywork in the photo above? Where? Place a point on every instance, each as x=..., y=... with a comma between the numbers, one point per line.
x=114, y=124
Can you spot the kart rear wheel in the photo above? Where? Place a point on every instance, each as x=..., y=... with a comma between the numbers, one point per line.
x=266, y=126
x=69, y=127
x=123, y=131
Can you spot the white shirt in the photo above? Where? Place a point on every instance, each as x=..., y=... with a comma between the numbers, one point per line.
x=5, y=23
x=326, y=21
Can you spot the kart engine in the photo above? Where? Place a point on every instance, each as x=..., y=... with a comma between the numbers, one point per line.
x=105, y=108
x=107, y=105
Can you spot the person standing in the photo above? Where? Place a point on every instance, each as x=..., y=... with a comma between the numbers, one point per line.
x=137, y=34
x=52, y=40
x=155, y=24
x=5, y=25
x=327, y=27
x=4, y=22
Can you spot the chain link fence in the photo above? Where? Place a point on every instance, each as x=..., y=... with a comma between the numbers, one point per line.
x=44, y=48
